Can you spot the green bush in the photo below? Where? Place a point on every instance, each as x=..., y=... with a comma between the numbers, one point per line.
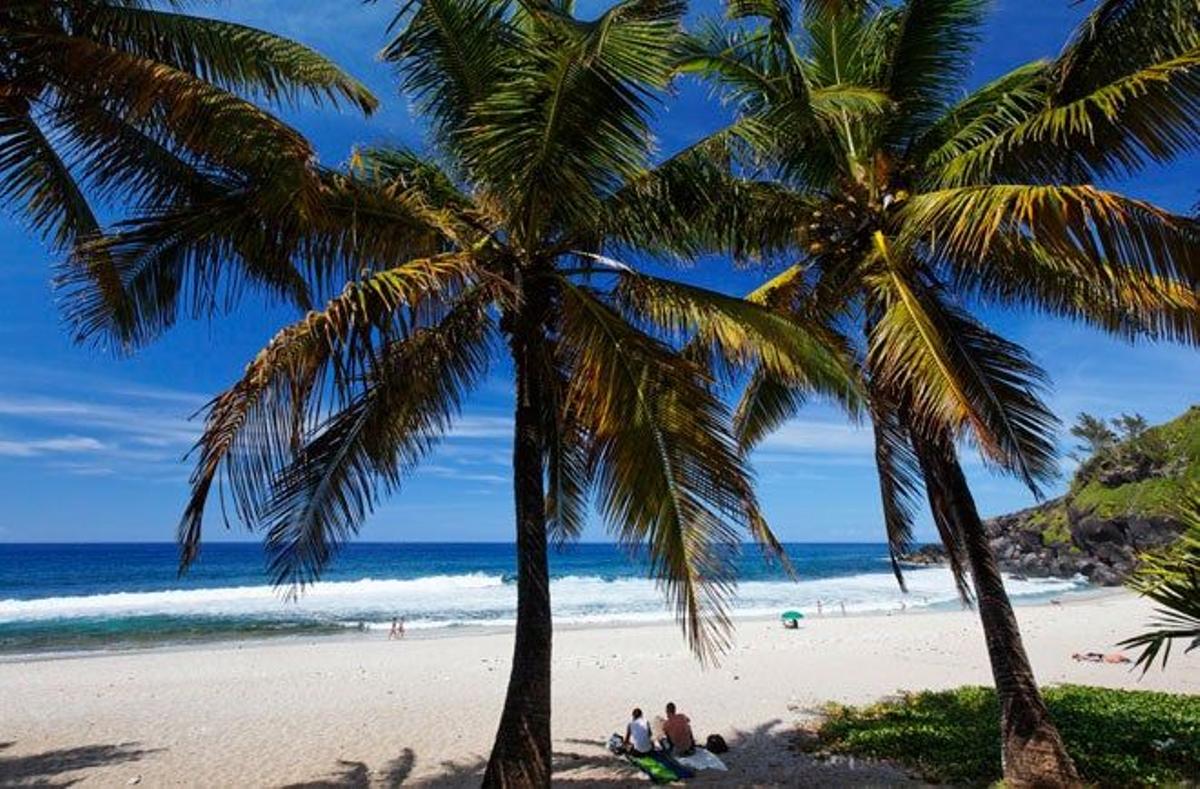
x=1117, y=737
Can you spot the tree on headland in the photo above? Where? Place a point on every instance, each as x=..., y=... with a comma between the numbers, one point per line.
x=1095, y=434
x=905, y=202
x=105, y=102
x=503, y=247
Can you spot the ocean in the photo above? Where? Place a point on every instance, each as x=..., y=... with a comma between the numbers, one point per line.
x=104, y=596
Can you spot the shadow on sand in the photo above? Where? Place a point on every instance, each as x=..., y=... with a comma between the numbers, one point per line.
x=357, y=775
x=45, y=769
x=767, y=755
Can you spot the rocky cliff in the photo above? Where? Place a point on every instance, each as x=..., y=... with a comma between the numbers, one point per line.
x=1121, y=502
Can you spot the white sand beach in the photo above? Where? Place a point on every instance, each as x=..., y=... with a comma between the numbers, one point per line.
x=363, y=711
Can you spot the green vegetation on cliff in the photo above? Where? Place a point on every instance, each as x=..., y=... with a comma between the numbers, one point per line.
x=1147, y=475
x=1144, y=474
x=1122, y=501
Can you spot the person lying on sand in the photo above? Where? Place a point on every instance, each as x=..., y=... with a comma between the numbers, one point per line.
x=638, y=740
x=678, y=731
x=1100, y=657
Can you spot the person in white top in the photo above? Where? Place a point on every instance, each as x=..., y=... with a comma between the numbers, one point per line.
x=638, y=740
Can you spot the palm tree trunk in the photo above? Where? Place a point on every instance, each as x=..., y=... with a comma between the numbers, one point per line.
x=521, y=755
x=1032, y=751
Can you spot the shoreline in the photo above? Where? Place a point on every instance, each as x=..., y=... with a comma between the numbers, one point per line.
x=313, y=711
x=351, y=635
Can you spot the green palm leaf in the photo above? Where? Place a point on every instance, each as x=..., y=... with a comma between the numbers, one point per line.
x=409, y=400
x=666, y=474
x=743, y=333
x=958, y=374
x=1171, y=578
x=251, y=431
x=1078, y=222
x=899, y=475
x=234, y=57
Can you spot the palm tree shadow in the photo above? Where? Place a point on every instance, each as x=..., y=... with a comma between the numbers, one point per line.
x=771, y=754
x=40, y=769
x=357, y=775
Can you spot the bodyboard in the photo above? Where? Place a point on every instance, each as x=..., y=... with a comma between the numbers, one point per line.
x=660, y=767
x=701, y=759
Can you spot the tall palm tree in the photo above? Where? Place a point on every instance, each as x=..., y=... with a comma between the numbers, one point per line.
x=505, y=243
x=904, y=209
x=132, y=102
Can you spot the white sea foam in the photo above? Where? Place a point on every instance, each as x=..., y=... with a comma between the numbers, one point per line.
x=480, y=599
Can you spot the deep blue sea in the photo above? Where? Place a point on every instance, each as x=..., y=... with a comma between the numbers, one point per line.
x=87, y=596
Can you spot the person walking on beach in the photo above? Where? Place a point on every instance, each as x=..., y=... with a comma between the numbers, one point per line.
x=678, y=731
x=638, y=740
x=393, y=634
x=400, y=630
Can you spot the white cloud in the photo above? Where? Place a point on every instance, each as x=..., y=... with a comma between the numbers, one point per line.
x=469, y=427
x=151, y=426
x=804, y=436
x=45, y=446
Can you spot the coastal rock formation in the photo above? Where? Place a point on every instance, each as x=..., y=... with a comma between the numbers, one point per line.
x=1120, y=504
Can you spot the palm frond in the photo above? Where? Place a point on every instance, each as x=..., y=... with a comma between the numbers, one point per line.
x=412, y=393
x=232, y=56
x=743, y=334
x=899, y=475
x=1140, y=32
x=957, y=375
x=945, y=485
x=1078, y=222
x=1127, y=303
x=1114, y=130
x=928, y=58
x=992, y=109
x=666, y=474
x=210, y=123
x=252, y=430
x=201, y=257
x=765, y=404
x=450, y=55
x=32, y=174
x=568, y=449
x=570, y=122
x=1171, y=578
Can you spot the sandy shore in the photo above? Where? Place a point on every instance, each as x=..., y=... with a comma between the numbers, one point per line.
x=367, y=712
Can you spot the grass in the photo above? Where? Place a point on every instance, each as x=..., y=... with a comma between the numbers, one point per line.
x=1118, y=738
x=1053, y=524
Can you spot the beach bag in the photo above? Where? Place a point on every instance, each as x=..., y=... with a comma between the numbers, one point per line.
x=616, y=743
x=715, y=744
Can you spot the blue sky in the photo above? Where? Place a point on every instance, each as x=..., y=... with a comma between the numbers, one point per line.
x=91, y=446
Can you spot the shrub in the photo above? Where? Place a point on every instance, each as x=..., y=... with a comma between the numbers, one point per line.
x=1117, y=737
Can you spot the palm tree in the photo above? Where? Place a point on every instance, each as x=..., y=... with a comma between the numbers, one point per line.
x=903, y=204
x=504, y=243
x=117, y=101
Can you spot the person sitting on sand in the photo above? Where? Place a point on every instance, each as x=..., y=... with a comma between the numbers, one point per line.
x=638, y=740
x=678, y=729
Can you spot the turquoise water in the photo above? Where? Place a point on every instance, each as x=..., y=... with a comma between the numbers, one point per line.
x=60, y=597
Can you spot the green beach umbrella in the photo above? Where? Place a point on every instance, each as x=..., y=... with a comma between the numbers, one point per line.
x=791, y=616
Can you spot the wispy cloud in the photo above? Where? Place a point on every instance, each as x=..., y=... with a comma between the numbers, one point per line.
x=818, y=438
x=131, y=419
x=47, y=446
